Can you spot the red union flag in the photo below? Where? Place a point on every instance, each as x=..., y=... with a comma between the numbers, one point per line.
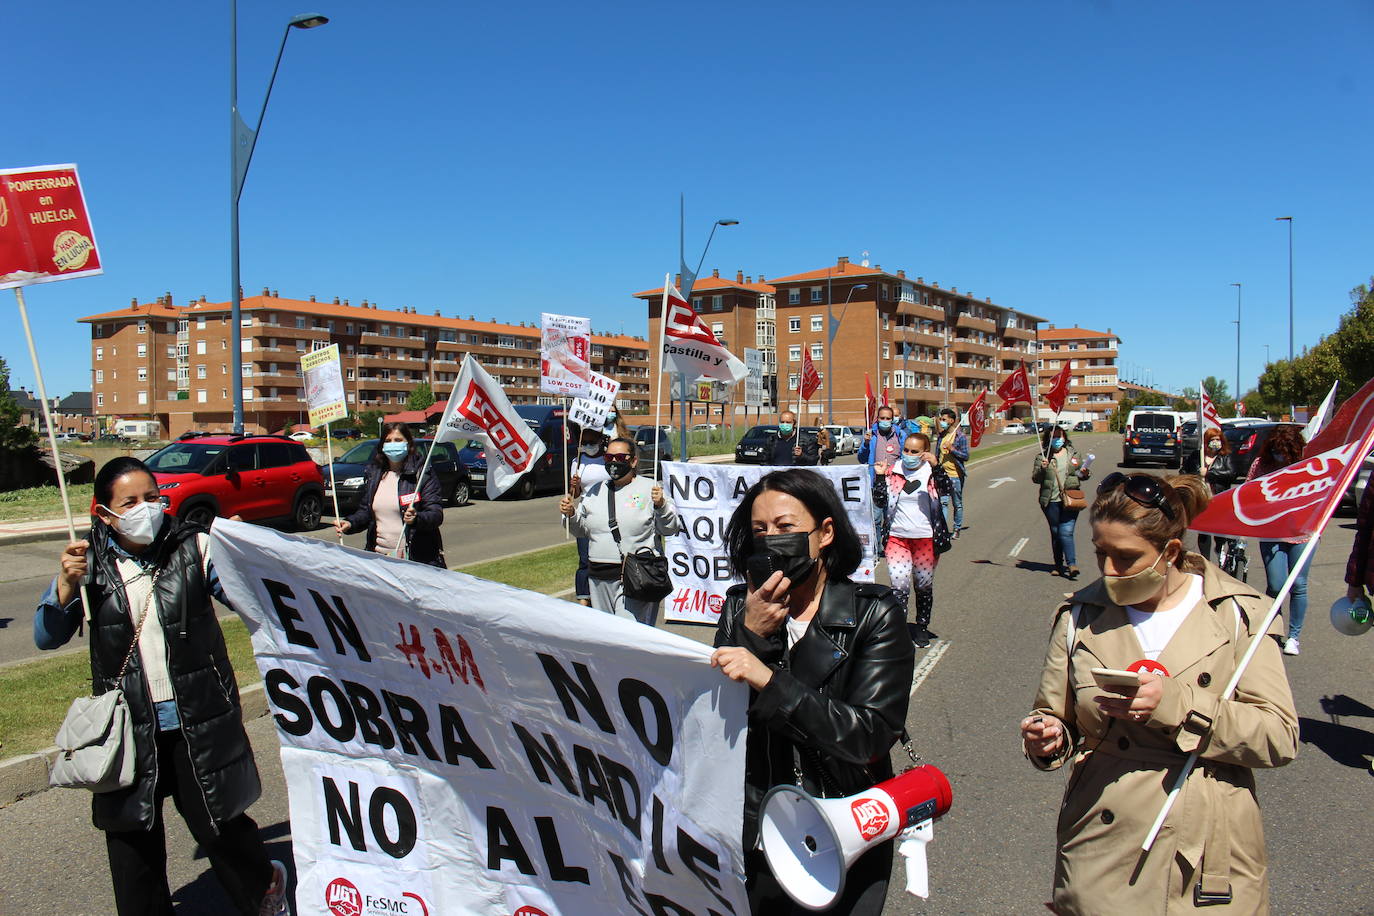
x=1059, y=389
x=1292, y=503
x=1016, y=389
x=810, y=378
x=1207, y=412
x=45, y=231
x=977, y=419
x=688, y=346
x=1355, y=416
x=870, y=401
x=478, y=408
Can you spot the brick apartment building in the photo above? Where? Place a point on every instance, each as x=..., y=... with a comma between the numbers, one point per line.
x=927, y=345
x=71, y=414
x=172, y=363
x=1093, y=359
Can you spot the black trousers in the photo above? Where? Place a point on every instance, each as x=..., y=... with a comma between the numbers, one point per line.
x=138, y=858
x=865, y=886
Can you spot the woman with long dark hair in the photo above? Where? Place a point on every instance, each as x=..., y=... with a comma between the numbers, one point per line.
x=828, y=661
x=389, y=508
x=1215, y=463
x=1283, y=447
x=154, y=635
x=1058, y=468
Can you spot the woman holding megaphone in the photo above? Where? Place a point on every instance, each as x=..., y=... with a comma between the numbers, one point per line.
x=829, y=663
x=1137, y=666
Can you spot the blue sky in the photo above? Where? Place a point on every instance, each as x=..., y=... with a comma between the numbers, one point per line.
x=1111, y=163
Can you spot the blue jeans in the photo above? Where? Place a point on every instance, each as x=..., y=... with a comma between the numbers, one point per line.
x=1061, y=523
x=956, y=497
x=581, y=580
x=1279, y=558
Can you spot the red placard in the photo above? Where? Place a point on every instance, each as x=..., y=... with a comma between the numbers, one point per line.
x=45, y=230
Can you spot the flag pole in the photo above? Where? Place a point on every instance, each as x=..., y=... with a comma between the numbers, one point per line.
x=567, y=408
x=52, y=437
x=418, y=480
x=333, y=485
x=658, y=395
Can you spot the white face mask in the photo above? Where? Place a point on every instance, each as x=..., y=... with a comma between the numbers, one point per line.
x=591, y=451
x=140, y=524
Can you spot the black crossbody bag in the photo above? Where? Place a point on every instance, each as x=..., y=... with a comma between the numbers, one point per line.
x=644, y=573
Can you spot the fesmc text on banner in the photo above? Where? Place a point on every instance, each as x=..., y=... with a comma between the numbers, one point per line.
x=591, y=411
x=472, y=748
x=324, y=387
x=565, y=355
x=45, y=229
x=705, y=496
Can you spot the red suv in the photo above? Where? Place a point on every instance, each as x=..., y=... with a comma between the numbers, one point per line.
x=203, y=475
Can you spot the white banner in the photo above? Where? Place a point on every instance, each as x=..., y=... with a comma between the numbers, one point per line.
x=455, y=746
x=590, y=412
x=565, y=350
x=705, y=496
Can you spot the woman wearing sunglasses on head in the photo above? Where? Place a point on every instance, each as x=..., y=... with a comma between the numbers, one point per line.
x=1132, y=684
x=1060, y=477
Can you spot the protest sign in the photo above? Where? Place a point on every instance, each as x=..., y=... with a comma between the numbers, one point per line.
x=705, y=496
x=565, y=355
x=324, y=387
x=591, y=411
x=753, y=382
x=45, y=229
x=456, y=746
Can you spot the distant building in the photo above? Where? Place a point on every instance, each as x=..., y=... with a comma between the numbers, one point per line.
x=1093, y=359
x=172, y=363
x=927, y=345
x=71, y=414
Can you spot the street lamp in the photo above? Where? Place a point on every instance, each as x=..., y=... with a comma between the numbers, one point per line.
x=1237, y=392
x=1289, y=220
x=1267, y=362
x=833, y=326
x=688, y=281
x=242, y=141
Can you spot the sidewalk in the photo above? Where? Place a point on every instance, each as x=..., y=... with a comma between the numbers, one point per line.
x=48, y=529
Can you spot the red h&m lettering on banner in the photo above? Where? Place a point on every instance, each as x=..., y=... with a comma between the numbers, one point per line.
x=505, y=438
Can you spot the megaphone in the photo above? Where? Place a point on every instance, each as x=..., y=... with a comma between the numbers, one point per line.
x=1353, y=618
x=811, y=842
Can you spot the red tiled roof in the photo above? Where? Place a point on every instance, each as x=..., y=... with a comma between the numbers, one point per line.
x=705, y=283
x=845, y=271
x=1071, y=334
x=151, y=309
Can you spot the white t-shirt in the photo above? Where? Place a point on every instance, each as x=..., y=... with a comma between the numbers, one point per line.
x=911, y=515
x=591, y=470
x=796, y=629
x=1155, y=629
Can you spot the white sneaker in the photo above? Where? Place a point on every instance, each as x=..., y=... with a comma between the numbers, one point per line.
x=1290, y=647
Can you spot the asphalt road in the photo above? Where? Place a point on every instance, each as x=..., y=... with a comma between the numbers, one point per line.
x=993, y=853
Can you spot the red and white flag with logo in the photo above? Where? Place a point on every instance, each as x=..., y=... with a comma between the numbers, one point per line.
x=870, y=402
x=688, y=346
x=1207, y=412
x=1016, y=389
x=1355, y=416
x=479, y=409
x=977, y=419
x=810, y=378
x=1059, y=389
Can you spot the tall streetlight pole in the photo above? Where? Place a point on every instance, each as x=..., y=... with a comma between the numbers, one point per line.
x=242, y=141
x=689, y=279
x=1289, y=220
x=832, y=325
x=1237, y=392
x=1267, y=361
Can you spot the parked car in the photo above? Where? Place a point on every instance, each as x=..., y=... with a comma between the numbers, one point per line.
x=756, y=446
x=346, y=433
x=1083, y=426
x=256, y=477
x=67, y=437
x=1152, y=437
x=1350, y=499
x=843, y=440
x=350, y=471
x=547, y=474
x=1014, y=429
x=302, y=435
x=1247, y=440
x=644, y=441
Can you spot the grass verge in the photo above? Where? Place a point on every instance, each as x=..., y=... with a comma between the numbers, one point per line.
x=34, y=696
x=44, y=502
x=989, y=451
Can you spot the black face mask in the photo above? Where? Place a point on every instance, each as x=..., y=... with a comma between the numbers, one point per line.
x=617, y=469
x=790, y=553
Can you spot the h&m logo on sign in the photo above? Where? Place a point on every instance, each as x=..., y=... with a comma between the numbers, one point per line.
x=870, y=816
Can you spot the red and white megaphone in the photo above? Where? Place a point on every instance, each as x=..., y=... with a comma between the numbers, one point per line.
x=811, y=842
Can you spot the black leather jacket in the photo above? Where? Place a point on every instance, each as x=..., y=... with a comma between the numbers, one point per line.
x=837, y=701
x=424, y=544
x=206, y=694
x=1220, y=476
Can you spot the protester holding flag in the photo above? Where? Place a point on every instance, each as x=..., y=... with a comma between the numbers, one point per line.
x=589, y=469
x=792, y=447
x=390, y=510
x=155, y=636
x=951, y=446
x=1060, y=473
x=1283, y=447
x=883, y=441
x=819, y=717
x=1127, y=744
x=1215, y=463
x=619, y=517
x=910, y=491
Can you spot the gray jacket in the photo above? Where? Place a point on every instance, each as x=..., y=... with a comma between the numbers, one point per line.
x=636, y=516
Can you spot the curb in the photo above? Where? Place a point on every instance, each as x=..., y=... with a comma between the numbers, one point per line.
x=33, y=537
x=27, y=775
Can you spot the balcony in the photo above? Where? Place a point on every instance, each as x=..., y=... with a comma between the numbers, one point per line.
x=921, y=338
x=969, y=345
x=916, y=309
x=970, y=371
x=966, y=321
x=388, y=362
x=1014, y=333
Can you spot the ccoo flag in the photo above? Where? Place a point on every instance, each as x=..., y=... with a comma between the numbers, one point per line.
x=1059, y=389
x=1354, y=417
x=1016, y=389
x=810, y=378
x=478, y=408
x=688, y=346
x=977, y=419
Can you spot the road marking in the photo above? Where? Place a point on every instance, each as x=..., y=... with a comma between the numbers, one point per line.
x=926, y=664
x=1016, y=551
x=999, y=481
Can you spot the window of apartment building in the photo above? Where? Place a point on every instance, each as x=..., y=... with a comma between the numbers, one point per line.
x=200, y=322
x=171, y=351
x=142, y=327
x=794, y=324
x=506, y=340
x=815, y=294
x=200, y=372
x=200, y=348
x=887, y=322
x=223, y=343
x=887, y=350
x=143, y=373
x=142, y=351
x=816, y=322
x=1073, y=399
x=794, y=297
x=223, y=393
x=349, y=374
x=100, y=400
x=718, y=329
x=245, y=321
x=348, y=328
x=817, y=351
x=792, y=381
x=300, y=322
x=114, y=374
x=349, y=349
x=99, y=376
x=717, y=303
x=887, y=379
x=99, y=353
x=300, y=346
x=171, y=375
x=143, y=397
x=794, y=353
x=696, y=303
x=883, y=289
x=248, y=394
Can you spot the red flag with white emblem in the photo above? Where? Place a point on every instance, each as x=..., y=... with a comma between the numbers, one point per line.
x=870, y=401
x=1016, y=389
x=977, y=419
x=1059, y=389
x=1355, y=415
x=810, y=378
x=1207, y=411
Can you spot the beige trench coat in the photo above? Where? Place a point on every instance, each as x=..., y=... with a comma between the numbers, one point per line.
x=1213, y=838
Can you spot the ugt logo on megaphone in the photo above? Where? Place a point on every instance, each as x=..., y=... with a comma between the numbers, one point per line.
x=870, y=817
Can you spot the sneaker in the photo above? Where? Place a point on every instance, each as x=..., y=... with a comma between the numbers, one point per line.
x=1290, y=647
x=1072, y=573
x=274, y=902
x=922, y=638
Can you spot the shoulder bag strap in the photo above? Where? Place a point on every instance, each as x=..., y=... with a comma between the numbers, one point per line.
x=610, y=511
x=138, y=631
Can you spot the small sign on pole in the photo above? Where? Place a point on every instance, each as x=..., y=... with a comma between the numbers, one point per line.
x=565, y=355
x=324, y=397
